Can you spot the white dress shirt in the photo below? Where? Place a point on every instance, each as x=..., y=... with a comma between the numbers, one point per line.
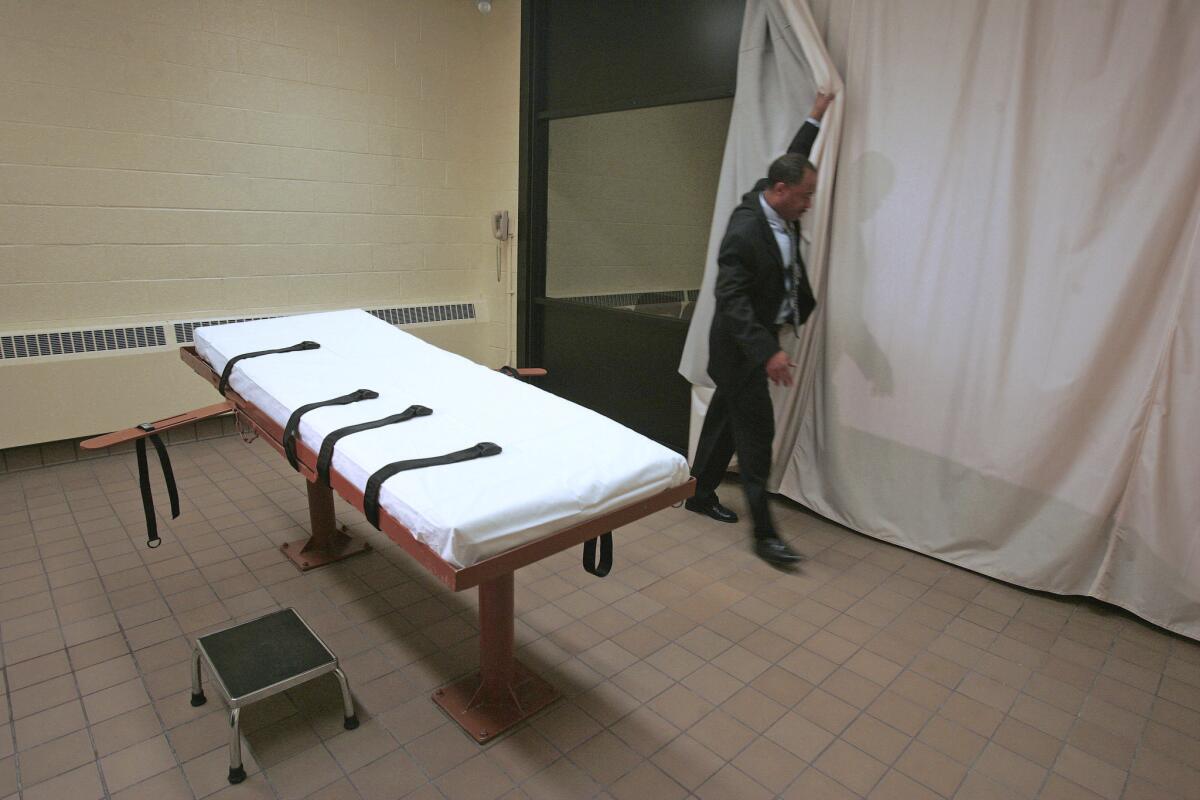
x=787, y=250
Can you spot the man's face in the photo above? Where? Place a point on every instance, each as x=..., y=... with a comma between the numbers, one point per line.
x=792, y=200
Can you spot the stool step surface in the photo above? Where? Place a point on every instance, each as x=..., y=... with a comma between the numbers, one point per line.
x=264, y=652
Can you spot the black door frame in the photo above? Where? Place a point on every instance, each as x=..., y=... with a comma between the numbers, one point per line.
x=700, y=63
x=532, y=184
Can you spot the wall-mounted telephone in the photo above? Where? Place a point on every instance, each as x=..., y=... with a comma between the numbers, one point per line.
x=500, y=225
x=500, y=231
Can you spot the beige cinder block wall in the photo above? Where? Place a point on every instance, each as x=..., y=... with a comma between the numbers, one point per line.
x=190, y=159
x=491, y=132
x=630, y=198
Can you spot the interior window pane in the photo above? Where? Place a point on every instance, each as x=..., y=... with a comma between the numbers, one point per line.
x=630, y=201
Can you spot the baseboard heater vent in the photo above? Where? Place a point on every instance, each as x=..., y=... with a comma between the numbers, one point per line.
x=416, y=315
x=398, y=315
x=38, y=344
x=184, y=331
x=77, y=342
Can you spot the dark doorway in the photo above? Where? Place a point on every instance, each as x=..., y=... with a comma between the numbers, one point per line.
x=624, y=110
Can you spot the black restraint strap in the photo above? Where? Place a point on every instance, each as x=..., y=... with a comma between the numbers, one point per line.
x=375, y=482
x=291, y=430
x=164, y=460
x=225, y=373
x=325, y=457
x=589, y=555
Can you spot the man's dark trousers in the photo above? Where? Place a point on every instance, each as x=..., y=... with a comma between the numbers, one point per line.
x=741, y=418
x=750, y=292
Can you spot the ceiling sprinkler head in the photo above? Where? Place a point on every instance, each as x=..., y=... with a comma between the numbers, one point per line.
x=484, y=6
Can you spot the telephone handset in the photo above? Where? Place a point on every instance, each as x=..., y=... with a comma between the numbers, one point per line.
x=500, y=231
x=500, y=225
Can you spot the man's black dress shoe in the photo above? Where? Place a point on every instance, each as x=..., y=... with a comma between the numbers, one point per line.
x=775, y=551
x=710, y=508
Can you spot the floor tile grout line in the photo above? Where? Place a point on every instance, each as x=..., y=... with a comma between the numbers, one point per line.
x=8, y=700
x=141, y=677
x=1064, y=632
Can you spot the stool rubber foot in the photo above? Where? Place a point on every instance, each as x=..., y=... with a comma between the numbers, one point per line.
x=199, y=699
x=351, y=723
x=237, y=774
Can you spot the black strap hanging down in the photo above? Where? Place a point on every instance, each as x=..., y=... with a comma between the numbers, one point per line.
x=604, y=566
x=325, y=457
x=164, y=460
x=292, y=429
x=225, y=373
x=375, y=482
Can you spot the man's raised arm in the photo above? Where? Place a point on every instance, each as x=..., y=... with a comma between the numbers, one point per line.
x=807, y=134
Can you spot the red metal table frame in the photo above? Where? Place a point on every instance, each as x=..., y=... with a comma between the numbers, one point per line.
x=504, y=692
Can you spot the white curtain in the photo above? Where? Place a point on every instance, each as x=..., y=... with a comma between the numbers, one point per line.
x=782, y=63
x=1005, y=372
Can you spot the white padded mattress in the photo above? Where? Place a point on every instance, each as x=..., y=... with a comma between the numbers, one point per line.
x=561, y=463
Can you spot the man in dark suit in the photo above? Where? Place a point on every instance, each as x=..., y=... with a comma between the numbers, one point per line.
x=761, y=286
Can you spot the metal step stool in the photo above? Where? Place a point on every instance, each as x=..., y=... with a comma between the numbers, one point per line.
x=259, y=658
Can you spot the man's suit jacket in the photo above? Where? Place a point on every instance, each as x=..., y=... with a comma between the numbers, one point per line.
x=750, y=287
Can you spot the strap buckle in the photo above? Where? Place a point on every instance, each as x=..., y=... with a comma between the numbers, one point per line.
x=291, y=431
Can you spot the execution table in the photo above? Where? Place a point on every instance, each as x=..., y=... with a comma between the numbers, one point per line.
x=562, y=476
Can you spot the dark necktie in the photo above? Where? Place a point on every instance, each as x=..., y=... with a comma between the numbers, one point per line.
x=794, y=266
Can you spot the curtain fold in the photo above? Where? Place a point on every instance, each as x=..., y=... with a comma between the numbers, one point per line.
x=782, y=64
x=1004, y=368
x=1006, y=372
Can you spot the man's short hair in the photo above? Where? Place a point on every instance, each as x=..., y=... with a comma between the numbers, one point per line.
x=789, y=169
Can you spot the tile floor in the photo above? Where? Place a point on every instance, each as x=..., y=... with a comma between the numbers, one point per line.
x=692, y=670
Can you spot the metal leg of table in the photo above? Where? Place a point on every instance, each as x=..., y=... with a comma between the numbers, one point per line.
x=327, y=543
x=504, y=692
